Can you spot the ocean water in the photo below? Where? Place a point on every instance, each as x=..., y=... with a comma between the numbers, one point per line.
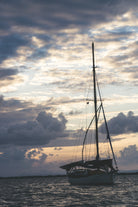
x=56, y=191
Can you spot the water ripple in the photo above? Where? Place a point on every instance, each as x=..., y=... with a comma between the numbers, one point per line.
x=56, y=191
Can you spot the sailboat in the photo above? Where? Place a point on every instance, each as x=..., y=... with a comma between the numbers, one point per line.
x=94, y=171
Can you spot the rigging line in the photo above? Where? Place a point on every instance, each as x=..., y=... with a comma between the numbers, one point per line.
x=90, y=146
x=99, y=110
x=77, y=142
x=89, y=84
x=87, y=132
x=107, y=129
x=108, y=137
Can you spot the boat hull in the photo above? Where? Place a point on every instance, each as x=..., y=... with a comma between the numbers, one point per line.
x=100, y=179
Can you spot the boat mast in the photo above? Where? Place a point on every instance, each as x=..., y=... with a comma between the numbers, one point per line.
x=95, y=104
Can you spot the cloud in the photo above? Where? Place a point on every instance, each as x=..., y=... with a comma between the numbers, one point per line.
x=23, y=161
x=36, y=154
x=6, y=105
x=128, y=156
x=64, y=100
x=74, y=79
x=60, y=14
x=34, y=133
x=7, y=73
x=50, y=123
x=122, y=124
x=19, y=161
x=13, y=161
x=24, y=123
x=10, y=43
x=52, y=23
x=72, y=113
x=58, y=148
x=10, y=79
x=14, y=111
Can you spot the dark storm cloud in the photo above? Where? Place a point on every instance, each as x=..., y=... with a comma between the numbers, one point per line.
x=39, y=53
x=122, y=124
x=20, y=18
x=14, y=111
x=9, y=45
x=7, y=73
x=17, y=112
x=50, y=123
x=12, y=104
x=24, y=124
x=34, y=133
x=60, y=14
x=18, y=161
x=9, y=77
x=9, y=118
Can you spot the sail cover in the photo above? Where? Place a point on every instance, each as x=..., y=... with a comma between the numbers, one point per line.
x=89, y=164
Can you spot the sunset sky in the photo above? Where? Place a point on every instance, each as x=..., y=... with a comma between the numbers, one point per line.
x=45, y=79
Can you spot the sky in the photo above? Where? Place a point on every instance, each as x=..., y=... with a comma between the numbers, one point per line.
x=45, y=79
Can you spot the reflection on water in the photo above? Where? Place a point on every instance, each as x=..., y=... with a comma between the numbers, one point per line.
x=56, y=191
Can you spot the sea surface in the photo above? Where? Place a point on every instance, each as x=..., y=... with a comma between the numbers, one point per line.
x=56, y=191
